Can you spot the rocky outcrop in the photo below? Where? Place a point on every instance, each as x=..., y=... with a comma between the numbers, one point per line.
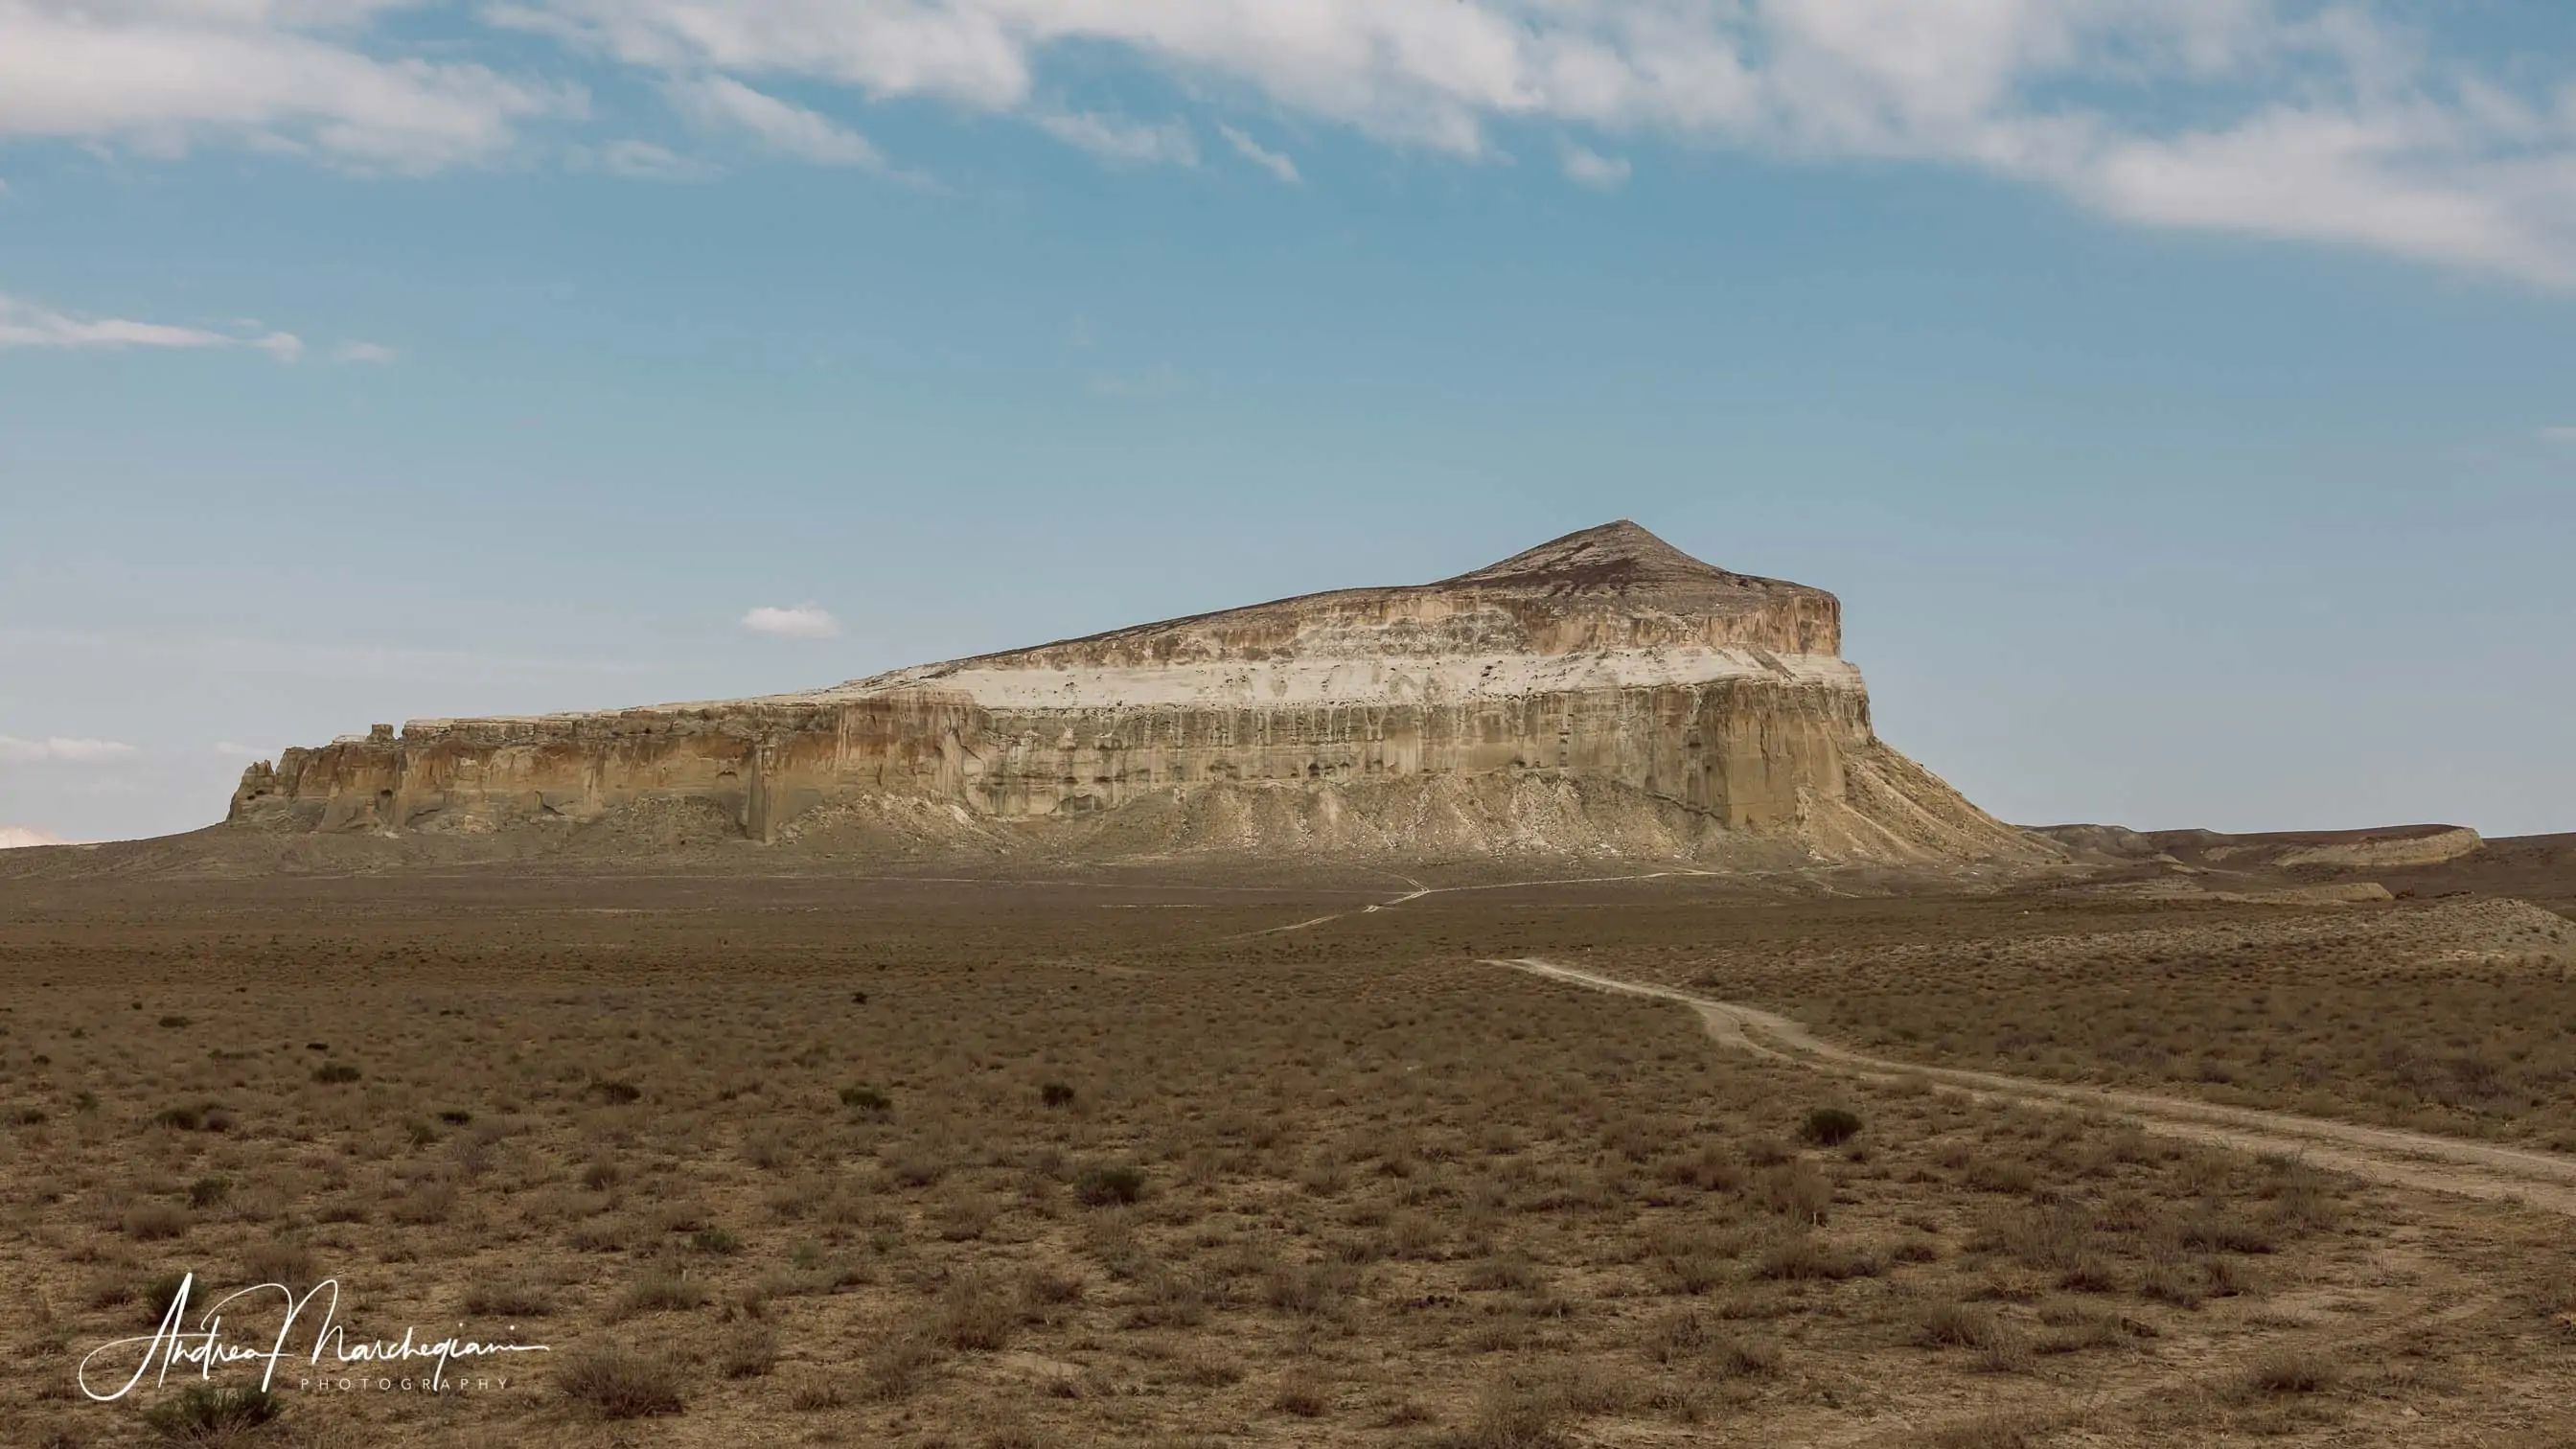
x=1600, y=692
x=2385, y=848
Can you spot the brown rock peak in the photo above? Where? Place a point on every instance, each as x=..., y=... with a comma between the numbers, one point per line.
x=1613, y=558
x=1622, y=567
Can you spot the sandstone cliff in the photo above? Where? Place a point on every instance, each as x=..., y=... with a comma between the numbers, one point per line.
x=1600, y=693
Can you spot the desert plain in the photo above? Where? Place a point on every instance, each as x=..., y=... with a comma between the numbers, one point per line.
x=1218, y=1155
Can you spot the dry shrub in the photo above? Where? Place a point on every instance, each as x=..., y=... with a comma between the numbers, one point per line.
x=1706, y=1167
x=813, y=1392
x=768, y=1149
x=1950, y=1324
x=507, y=1298
x=1986, y=1431
x=2223, y=1232
x=1206, y=1371
x=747, y=1350
x=1692, y=1260
x=1313, y=1289
x=896, y=1368
x=1532, y=1408
x=1166, y=1298
x=976, y=1312
x=1805, y=1257
x=1109, y=1185
x=2074, y=1328
x=1797, y=1190
x=281, y=1260
x=207, y=1414
x=1413, y=1236
x=619, y=1383
x=154, y=1221
x=2172, y=1282
x=1830, y=1126
x=1676, y=1336
x=965, y=1214
x=1303, y=1393
x=431, y=1202
x=662, y=1289
x=2002, y=1174
x=1045, y=1293
x=2284, y=1371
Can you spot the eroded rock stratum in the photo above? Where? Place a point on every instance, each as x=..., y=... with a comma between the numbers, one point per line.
x=1604, y=692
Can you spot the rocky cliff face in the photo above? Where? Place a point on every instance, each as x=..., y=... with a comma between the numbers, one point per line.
x=1601, y=692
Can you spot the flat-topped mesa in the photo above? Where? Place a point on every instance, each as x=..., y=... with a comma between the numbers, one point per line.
x=1605, y=671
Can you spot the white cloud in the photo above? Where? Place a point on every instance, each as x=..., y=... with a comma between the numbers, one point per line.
x=162, y=75
x=2339, y=123
x=1590, y=168
x=26, y=324
x=642, y=161
x=721, y=102
x=362, y=352
x=804, y=621
x=24, y=837
x=58, y=750
x=2363, y=123
x=1260, y=155
x=240, y=752
x=2559, y=435
x=1127, y=142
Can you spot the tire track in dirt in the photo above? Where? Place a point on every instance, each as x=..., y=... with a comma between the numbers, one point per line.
x=2383, y=1155
x=1420, y=890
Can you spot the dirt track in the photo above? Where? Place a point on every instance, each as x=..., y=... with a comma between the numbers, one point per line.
x=2374, y=1154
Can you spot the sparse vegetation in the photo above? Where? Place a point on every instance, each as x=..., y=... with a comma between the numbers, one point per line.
x=1116, y=1183
x=1830, y=1126
x=615, y=1383
x=1326, y=1187
x=212, y=1414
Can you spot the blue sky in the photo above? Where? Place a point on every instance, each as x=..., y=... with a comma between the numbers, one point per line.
x=2181, y=396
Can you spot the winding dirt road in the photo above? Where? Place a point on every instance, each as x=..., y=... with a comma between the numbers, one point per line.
x=2374, y=1154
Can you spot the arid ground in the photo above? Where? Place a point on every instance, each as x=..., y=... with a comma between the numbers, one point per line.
x=1126, y=1160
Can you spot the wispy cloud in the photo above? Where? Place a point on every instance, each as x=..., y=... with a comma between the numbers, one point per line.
x=28, y=324
x=719, y=102
x=2368, y=124
x=61, y=751
x=1260, y=155
x=2365, y=124
x=230, y=750
x=802, y=621
x=1122, y=141
x=371, y=353
x=2559, y=434
x=642, y=161
x=162, y=76
x=1586, y=167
